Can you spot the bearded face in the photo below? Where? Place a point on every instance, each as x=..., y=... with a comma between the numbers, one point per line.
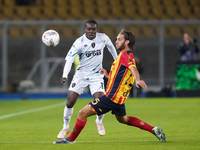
x=120, y=42
x=121, y=46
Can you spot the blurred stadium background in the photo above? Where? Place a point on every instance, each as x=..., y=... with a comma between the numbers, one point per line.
x=157, y=24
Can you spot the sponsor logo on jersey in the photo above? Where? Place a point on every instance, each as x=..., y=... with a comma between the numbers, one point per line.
x=125, y=94
x=93, y=53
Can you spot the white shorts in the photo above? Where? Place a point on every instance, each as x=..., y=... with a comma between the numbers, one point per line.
x=79, y=83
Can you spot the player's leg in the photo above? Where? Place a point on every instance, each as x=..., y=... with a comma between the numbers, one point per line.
x=97, y=88
x=99, y=119
x=81, y=122
x=79, y=125
x=76, y=88
x=133, y=121
x=68, y=112
x=99, y=106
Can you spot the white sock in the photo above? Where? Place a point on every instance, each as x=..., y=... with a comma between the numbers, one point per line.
x=99, y=118
x=68, y=112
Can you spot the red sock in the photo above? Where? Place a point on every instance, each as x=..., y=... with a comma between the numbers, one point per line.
x=140, y=124
x=77, y=129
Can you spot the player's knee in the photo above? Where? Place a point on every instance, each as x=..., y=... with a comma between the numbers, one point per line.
x=70, y=102
x=69, y=105
x=122, y=120
x=82, y=114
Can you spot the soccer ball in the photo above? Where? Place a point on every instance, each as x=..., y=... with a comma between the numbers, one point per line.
x=50, y=38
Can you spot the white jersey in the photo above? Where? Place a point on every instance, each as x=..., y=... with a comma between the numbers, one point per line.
x=90, y=53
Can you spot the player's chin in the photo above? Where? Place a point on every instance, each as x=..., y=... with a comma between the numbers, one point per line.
x=91, y=36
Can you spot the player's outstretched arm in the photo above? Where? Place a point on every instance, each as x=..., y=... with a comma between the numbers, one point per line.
x=138, y=82
x=104, y=71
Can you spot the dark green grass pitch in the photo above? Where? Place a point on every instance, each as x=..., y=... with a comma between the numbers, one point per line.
x=34, y=125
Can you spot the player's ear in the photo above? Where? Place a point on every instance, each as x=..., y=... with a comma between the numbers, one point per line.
x=127, y=42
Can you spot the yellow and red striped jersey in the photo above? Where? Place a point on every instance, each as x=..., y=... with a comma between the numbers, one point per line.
x=120, y=78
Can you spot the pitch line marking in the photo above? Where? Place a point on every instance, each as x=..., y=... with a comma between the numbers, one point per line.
x=32, y=110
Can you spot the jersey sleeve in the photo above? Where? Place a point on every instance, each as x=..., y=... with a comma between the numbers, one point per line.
x=127, y=59
x=110, y=47
x=67, y=69
x=73, y=52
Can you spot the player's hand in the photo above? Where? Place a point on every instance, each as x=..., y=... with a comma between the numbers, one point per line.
x=62, y=80
x=104, y=71
x=141, y=83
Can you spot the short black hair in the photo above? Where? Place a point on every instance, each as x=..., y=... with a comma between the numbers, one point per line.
x=128, y=35
x=91, y=21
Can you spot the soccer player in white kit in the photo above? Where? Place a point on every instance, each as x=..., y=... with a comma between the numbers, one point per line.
x=89, y=47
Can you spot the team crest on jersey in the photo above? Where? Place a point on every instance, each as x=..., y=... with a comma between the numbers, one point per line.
x=93, y=45
x=73, y=85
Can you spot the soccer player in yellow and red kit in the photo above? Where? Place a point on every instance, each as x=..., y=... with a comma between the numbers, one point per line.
x=120, y=80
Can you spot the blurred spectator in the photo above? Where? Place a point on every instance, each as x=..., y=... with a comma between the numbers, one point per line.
x=25, y=2
x=188, y=49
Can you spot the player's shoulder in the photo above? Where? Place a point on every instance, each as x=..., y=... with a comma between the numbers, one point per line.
x=78, y=42
x=128, y=53
x=101, y=34
x=102, y=37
